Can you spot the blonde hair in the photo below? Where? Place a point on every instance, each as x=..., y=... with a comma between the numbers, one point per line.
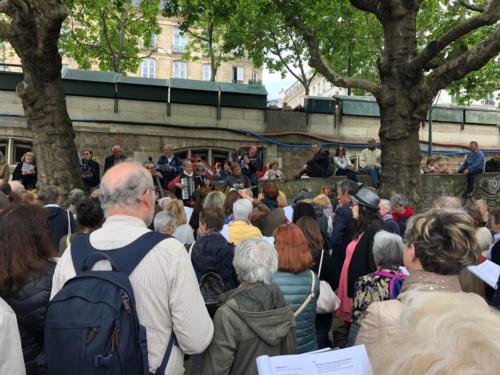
x=322, y=200
x=445, y=240
x=282, y=202
x=177, y=208
x=442, y=333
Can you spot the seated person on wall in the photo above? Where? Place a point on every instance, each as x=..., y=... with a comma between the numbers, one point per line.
x=369, y=160
x=318, y=165
x=273, y=173
x=343, y=164
x=237, y=180
x=493, y=165
x=431, y=167
x=473, y=165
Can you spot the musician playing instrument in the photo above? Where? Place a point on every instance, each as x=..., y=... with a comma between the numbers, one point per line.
x=186, y=184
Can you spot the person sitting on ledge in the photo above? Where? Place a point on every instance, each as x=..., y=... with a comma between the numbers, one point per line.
x=432, y=168
x=344, y=165
x=493, y=165
x=369, y=161
x=318, y=165
x=473, y=165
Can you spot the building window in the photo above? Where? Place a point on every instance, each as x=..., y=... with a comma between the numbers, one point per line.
x=207, y=72
x=152, y=42
x=20, y=148
x=180, y=70
x=254, y=77
x=180, y=40
x=238, y=74
x=148, y=68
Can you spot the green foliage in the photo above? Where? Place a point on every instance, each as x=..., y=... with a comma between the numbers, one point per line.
x=205, y=24
x=109, y=33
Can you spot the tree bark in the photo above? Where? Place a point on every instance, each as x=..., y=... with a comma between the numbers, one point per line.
x=34, y=32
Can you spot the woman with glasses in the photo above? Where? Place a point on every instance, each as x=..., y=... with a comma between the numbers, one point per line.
x=91, y=174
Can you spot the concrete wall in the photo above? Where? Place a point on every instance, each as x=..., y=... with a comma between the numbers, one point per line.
x=487, y=186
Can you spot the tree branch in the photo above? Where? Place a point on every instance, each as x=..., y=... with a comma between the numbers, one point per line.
x=366, y=5
x=470, y=6
x=462, y=65
x=488, y=17
x=316, y=60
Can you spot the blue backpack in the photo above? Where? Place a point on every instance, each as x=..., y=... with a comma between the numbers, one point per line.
x=92, y=325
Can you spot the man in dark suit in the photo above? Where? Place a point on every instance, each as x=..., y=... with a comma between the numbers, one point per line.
x=115, y=158
x=58, y=219
x=318, y=165
x=342, y=226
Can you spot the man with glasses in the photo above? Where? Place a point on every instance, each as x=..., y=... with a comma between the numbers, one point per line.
x=90, y=171
x=369, y=160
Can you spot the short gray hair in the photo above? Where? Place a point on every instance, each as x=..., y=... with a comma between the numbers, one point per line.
x=255, y=260
x=164, y=220
x=76, y=195
x=242, y=209
x=186, y=163
x=348, y=186
x=386, y=204
x=399, y=200
x=214, y=199
x=49, y=194
x=388, y=249
x=127, y=194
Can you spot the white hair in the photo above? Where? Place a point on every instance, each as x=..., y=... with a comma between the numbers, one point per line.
x=386, y=204
x=164, y=220
x=162, y=202
x=128, y=192
x=255, y=260
x=388, y=249
x=242, y=209
x=214, y=199
x=442, y=333
x=399, y=200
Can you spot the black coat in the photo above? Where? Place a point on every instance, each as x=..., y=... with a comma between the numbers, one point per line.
x=28, y=180
x=57, y=219
x=362, y=261
x=110, y=162
x=491, y=166
x=341, y=236
x=30, y=305
x=327, y=268
x=320, y=161
x=391, y=226
x=213, y=252
x=91, y=173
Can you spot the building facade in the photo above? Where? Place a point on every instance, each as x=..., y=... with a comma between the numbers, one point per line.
x=165, y=60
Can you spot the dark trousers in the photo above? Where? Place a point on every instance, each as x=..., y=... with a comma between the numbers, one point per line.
x=323, y=326
x=351, y=175
x=470, y=181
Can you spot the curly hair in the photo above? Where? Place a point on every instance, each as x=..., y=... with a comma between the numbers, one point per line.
x=445, y=240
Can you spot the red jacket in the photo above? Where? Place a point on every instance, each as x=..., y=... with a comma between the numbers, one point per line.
x=405, y=215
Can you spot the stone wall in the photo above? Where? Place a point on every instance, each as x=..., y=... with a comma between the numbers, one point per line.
x=487, y=186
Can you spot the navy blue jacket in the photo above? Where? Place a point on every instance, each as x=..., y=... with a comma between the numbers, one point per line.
x=213, y=252
x=322, y=160
x=110, y=161
x=91, y=173
x=57, y=219
x=341, y=236
x=175, y=164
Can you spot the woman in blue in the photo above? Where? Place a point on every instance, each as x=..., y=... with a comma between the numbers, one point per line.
x=298, y=283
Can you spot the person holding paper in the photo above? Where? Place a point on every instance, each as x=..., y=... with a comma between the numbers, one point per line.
x=255, y=319
x=25, y=171
x=438, y=245
x=298, y=283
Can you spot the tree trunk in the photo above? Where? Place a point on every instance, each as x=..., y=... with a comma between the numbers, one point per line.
x=34, y=33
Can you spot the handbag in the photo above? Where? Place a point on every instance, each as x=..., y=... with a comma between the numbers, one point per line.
x=328, y=301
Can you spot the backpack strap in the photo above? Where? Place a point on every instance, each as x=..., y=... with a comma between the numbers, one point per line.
x=123, y=259
x=171, y=342
x=308, y=298
x=320, y=263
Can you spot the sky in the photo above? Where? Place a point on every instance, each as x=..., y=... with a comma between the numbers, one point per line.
x=274, y=83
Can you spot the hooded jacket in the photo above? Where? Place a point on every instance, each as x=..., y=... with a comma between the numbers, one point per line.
x=255, y=320
x=30, y=304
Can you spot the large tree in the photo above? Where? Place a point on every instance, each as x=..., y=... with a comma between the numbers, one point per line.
x=427, y=45
x=115, y=35
x=32, y=28
x=205, y=24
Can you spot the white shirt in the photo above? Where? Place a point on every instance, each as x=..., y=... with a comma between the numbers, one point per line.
x=165, y=288
x=11, y=352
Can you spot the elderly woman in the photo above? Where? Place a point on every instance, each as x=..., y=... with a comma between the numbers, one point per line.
x=401, y=211
x=183, y=231
x=26, y=171
x=186, y=184
x=214, y=199
x=438, y=245
x=255, y=319
x=384, y=284
x=165, y=222
x=298, y=283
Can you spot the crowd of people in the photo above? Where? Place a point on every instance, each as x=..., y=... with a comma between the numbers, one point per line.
x=129, y=275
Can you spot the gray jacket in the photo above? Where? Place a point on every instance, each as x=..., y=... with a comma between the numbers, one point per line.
x=255, y=320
